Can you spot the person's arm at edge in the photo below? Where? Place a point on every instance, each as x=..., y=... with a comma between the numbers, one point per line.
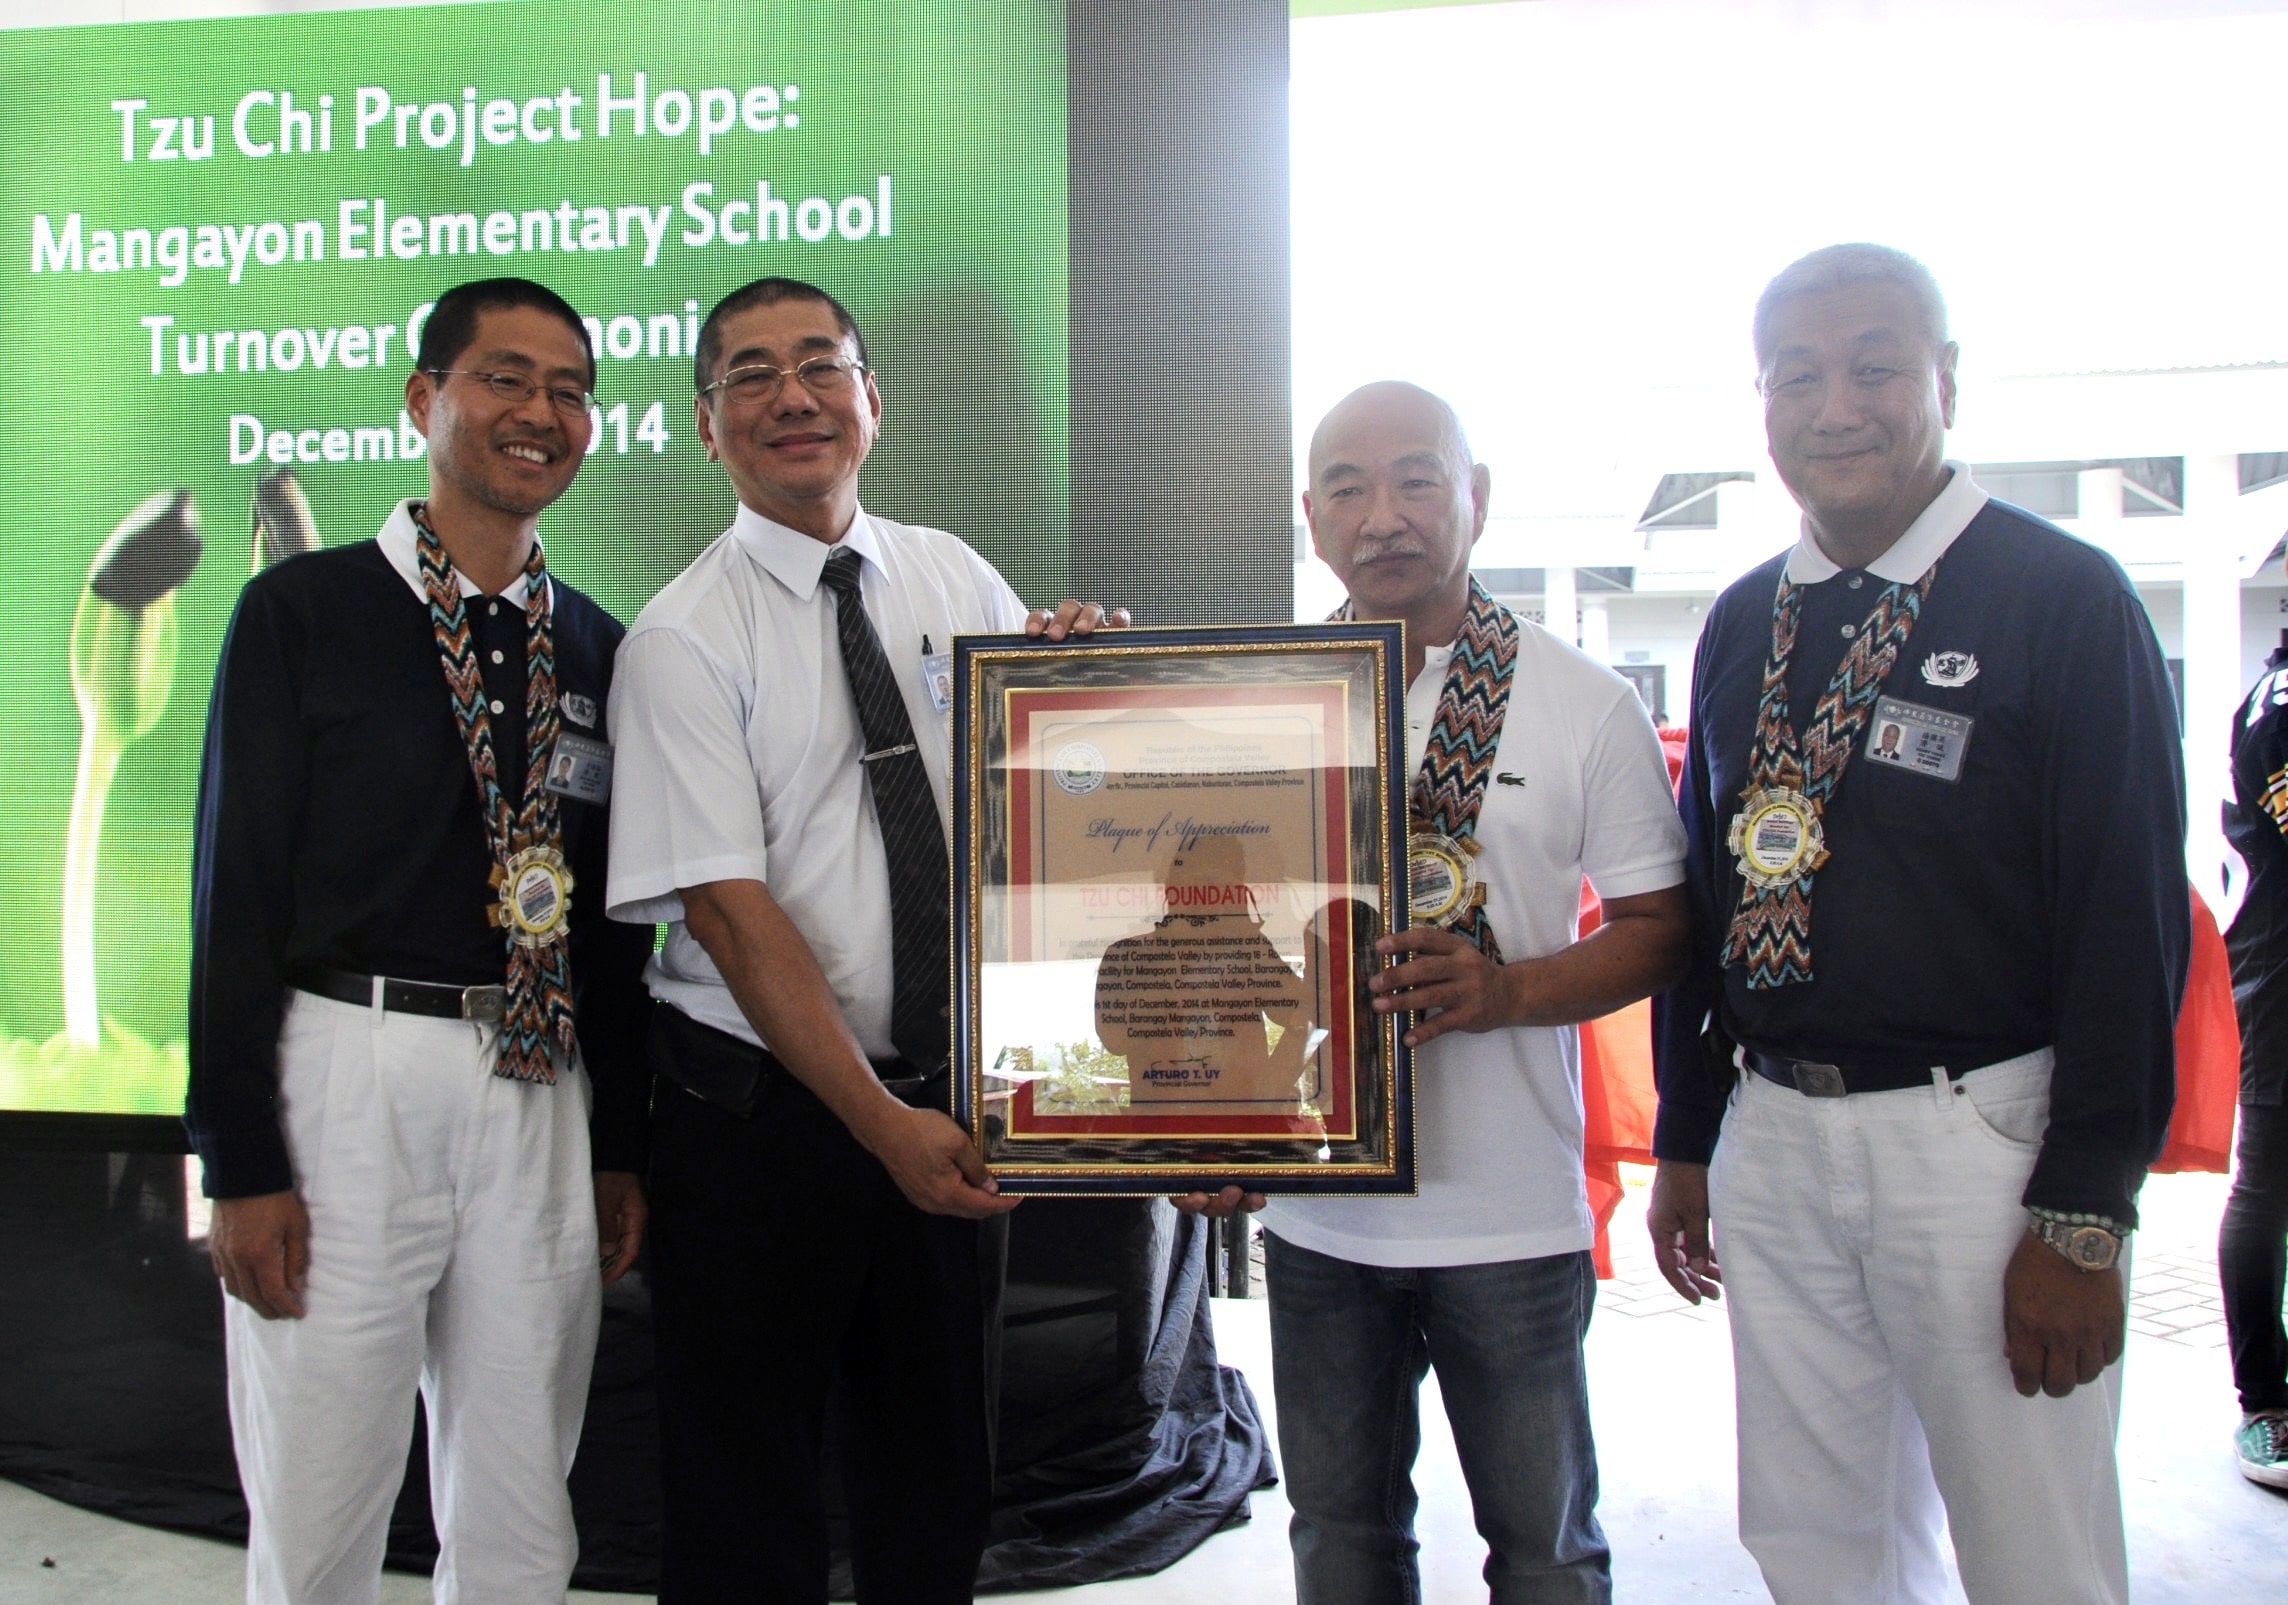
x=1690, y=1110
x=251, y=781
x=2122, y=935
x=614, y=1017
x=2114, y=794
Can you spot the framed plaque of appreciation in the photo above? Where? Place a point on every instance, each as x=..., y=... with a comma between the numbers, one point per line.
x=1173, y=852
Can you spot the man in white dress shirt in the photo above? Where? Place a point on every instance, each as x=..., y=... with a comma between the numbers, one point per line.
x=817, y=1214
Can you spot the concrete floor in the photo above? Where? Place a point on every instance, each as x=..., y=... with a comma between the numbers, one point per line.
x=1661, y=1383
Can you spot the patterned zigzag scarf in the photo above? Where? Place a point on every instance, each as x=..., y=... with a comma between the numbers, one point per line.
x=1459, y=760
x=539, y=978
x=1771, y=928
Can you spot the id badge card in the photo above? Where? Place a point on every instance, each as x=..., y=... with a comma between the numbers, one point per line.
x=581, y=768
x=1927, y=741
x=937, y=679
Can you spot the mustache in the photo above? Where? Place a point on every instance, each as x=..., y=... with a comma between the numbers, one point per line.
x=1398, y=546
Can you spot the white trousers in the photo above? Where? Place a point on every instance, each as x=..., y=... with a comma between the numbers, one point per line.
x=453, y=1248
x=1863, y=1241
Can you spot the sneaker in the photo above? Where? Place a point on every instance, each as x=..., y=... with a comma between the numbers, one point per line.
x=2263, y=1444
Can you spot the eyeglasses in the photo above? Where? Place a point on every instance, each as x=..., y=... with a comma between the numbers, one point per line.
x=516, y=390
x=823, y=377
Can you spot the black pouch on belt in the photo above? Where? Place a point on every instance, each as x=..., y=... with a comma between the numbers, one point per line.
x=705, y=1062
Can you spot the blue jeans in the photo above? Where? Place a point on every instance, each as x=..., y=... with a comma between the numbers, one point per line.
x=1349, y=1347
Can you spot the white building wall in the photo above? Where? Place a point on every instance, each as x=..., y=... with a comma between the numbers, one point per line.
x=2263, y=617
x=1664, y=630
x=2165, y=606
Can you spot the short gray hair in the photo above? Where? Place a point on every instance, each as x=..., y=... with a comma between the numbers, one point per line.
x=1833, y=267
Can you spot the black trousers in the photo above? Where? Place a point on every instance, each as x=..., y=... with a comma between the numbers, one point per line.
x=786, y=1266
x=2252, y=1258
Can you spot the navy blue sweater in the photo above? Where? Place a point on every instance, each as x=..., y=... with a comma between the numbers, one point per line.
x=2038, y=899
x=339, y=828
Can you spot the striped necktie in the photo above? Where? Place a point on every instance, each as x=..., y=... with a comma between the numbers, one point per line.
x=913, y=837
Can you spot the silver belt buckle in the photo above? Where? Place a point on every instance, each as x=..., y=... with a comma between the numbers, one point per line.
x=486, y=1005
x=1817, y=1080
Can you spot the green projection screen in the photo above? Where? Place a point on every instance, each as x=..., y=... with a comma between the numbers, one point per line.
x=218, y=240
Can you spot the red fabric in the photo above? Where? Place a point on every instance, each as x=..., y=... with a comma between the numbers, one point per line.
x=1616, y=1074
x=1617, y=1091
x=1673, y=741
x=1617, y=1099
x=2208, y=1058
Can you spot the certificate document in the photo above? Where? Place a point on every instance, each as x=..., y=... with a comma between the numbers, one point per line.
x=1173, y=856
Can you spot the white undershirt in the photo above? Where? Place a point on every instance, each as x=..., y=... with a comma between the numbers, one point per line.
x=1499, y=1113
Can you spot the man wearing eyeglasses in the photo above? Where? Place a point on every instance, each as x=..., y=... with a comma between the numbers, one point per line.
x=406, y=1005
x=818, y=1217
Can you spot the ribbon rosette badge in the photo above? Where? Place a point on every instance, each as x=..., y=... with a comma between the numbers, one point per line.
x=1441, y=881
x=536, y=894
x=1776, y=837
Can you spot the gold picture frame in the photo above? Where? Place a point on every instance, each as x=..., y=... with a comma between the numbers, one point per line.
x=1173, y=853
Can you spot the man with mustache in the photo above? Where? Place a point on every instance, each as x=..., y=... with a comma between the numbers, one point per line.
x=401, y=976
x=1486, y=1275
x=1926, y=1048
x=821, y=1225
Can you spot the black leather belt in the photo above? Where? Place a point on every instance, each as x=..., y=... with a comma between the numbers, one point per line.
x=729, y=1071
x=483, y=1004
x=1816, y=1080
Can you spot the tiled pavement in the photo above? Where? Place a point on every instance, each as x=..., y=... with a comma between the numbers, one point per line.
x=2173, y=1283
x=2173, y=1295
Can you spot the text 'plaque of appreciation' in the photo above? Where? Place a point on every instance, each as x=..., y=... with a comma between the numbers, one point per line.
x=1173, y=853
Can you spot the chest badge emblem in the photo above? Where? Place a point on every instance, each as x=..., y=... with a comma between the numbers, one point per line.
x=1950, y=668
x=582, y=710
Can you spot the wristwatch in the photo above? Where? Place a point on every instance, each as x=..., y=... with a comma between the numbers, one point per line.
x=2089, y=1242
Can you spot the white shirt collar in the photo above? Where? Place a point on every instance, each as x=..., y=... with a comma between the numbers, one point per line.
x=399, y=542
x=1912, y=554
x=797, y=560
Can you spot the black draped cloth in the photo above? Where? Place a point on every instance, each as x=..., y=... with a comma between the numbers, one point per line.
x=1122, y=1443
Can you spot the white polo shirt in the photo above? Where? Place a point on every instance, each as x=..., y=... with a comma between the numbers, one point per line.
x=1579, y=789
x=737, y=746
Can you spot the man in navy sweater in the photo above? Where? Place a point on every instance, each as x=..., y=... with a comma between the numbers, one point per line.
x=406, y=1004
x=1925, y=1051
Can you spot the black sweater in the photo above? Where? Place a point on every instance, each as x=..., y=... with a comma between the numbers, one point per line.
x=339, y=828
